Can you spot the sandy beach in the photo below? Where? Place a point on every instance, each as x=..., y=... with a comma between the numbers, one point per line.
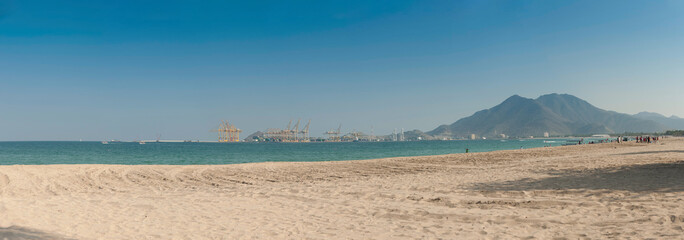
x=599, y=191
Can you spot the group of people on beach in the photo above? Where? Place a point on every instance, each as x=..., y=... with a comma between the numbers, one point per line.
x=620, y=139
x=647, y=139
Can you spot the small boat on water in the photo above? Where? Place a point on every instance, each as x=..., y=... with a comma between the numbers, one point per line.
x=141, y=142
x=105, y=142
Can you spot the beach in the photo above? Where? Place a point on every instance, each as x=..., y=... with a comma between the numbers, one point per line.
x=597, y=191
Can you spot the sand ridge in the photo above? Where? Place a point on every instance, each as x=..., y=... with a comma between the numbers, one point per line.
x=626, y=190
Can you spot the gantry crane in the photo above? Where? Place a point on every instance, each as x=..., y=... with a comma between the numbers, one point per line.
x=294, y=132
x=334, y=136
x=228, y=132
x=305, y=132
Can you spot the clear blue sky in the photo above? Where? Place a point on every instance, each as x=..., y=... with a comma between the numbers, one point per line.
x=92, y=70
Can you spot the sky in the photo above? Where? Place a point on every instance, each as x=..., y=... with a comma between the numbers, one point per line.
x=128, y=70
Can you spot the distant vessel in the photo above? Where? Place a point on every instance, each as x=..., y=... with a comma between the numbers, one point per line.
x=105, y=142
x=141, y=142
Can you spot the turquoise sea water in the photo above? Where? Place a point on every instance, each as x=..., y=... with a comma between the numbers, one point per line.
x=229, y=153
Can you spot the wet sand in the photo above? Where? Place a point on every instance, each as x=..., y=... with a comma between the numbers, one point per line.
x=612, y=190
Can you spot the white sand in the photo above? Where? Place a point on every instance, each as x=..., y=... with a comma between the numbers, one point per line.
x=601, y=191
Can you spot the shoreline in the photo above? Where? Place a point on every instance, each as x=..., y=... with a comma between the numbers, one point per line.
x=472, y=151
x=289, y=162
x=584, y=191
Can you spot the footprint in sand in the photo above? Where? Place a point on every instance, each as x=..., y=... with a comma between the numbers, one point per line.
x=4, y=180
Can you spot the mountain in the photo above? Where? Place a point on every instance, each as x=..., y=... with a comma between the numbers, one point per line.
x=557, y=114
x=516, y=116
x=580, y=111
x=416, y=134
x=254, y=136
x=672, y=122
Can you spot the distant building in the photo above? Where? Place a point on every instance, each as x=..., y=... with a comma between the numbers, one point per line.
x=502, y=135
x=546, y=134
x=473, y=136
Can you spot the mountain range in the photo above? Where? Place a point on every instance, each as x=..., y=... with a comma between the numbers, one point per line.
x=672, y=122
x=557, y=114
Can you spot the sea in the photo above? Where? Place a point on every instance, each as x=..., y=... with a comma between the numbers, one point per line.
x=200, y=153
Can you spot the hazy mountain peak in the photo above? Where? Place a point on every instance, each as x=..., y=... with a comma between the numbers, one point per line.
x=672, y=122
x=649, y=114
x=554, y=95
x=515, y=97
x=561, y=97
x=551, y=95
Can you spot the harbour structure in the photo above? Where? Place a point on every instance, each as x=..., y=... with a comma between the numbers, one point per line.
x=227, y=132
x=289, y=134
x=277, y=134
x=354, y=136
x=293, y=132
x=334, y=136
x=305, y=132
